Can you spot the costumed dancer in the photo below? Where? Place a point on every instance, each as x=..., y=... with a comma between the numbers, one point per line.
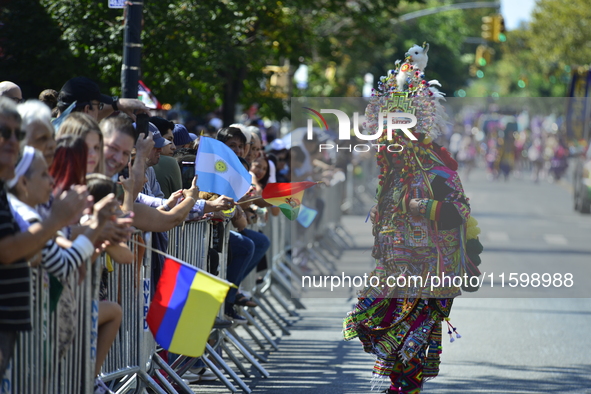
x=420, y=230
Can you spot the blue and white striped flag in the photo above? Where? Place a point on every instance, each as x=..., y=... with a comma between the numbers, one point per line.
x=220, y=170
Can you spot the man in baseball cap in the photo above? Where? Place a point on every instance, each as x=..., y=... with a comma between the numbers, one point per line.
x=159, y=141
x=90, y=100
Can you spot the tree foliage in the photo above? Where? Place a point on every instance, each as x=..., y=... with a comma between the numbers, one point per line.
x=560, y=33
x=537, y=59
x=202, y=54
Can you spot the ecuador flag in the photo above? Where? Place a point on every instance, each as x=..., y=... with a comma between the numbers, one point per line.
x=184, y=307
x=287, y=196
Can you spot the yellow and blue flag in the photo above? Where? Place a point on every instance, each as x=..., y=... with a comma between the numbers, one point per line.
x=184, y=307
x=220, y=170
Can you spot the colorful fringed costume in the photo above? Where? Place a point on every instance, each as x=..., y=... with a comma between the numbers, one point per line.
x=402, y=325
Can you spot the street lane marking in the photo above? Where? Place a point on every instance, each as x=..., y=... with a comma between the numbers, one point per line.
x=555, y=239
x=498, y=236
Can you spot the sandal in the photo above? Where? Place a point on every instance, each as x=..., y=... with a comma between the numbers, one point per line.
x=242, y=300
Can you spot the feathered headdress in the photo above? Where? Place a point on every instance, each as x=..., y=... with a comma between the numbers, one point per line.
x=405, y=89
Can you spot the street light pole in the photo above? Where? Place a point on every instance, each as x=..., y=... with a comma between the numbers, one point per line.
x=132, y=48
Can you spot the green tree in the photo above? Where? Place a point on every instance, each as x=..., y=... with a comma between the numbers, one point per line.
x=537, y=59
x=31, y=51
x=203, y=54
x=561, y=32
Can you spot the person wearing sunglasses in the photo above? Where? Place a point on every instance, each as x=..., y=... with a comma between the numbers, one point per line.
x=12, y=91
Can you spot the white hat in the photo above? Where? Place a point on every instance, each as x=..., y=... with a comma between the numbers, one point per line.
x=278, y=144
x=216, y=123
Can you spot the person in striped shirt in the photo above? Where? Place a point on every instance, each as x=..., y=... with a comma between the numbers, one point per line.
x=17, y=246
x=32, y=186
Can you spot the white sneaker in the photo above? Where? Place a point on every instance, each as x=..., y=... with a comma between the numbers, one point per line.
x=205, y=374
x=191, y=377
x=208, y=376
x=101, y=388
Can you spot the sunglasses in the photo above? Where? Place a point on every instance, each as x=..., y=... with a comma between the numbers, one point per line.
x=7, y=132
x=100, y=106
x=90, y=104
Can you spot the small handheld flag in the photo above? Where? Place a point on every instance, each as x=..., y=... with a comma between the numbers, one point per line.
x=57, y=122
x=220, y=170
x=306, y=216
x=145, y=95
x=287, y=196
x=184, y=308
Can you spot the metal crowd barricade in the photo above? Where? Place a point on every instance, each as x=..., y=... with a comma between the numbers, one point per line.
x=191, y=242
x=132, y=364
x=361, y=184
x=36, y=366
x=278, y=253
x=129, y=362
x=316, y=249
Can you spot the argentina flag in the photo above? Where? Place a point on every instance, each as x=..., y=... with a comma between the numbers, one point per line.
x=220, y=170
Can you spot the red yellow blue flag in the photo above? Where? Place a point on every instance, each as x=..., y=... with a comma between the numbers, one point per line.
x=287, y=196
x=184, y=307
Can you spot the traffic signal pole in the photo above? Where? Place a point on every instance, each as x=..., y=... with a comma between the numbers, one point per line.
x=132, y=48
x=451, y=7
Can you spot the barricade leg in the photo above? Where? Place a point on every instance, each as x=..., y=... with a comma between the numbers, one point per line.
x=265, y=335
x=281, y=301
x=345, y=236
x=164, y=382
x=254, y=337
x=225, y=366
x=154, y=386
x=276, y=312
x=255, y=314
x=263, y=308
x=246, y=346
x=172, y=374
x=219, y=374
x=234, y=359
x=246, y=354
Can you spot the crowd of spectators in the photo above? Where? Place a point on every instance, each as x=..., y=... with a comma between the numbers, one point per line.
x=78, y=176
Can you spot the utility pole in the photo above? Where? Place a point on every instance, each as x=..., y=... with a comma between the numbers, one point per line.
x=132, y=48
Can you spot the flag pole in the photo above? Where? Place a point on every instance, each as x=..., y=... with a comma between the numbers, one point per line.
x=251, y=200
x=261, y=198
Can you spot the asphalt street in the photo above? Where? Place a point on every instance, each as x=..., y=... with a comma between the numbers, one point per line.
x=531, y=339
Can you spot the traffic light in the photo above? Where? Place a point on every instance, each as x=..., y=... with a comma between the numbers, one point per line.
x=483, y=56
x=487, y=27
x=493, y=28
x=499, y=27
